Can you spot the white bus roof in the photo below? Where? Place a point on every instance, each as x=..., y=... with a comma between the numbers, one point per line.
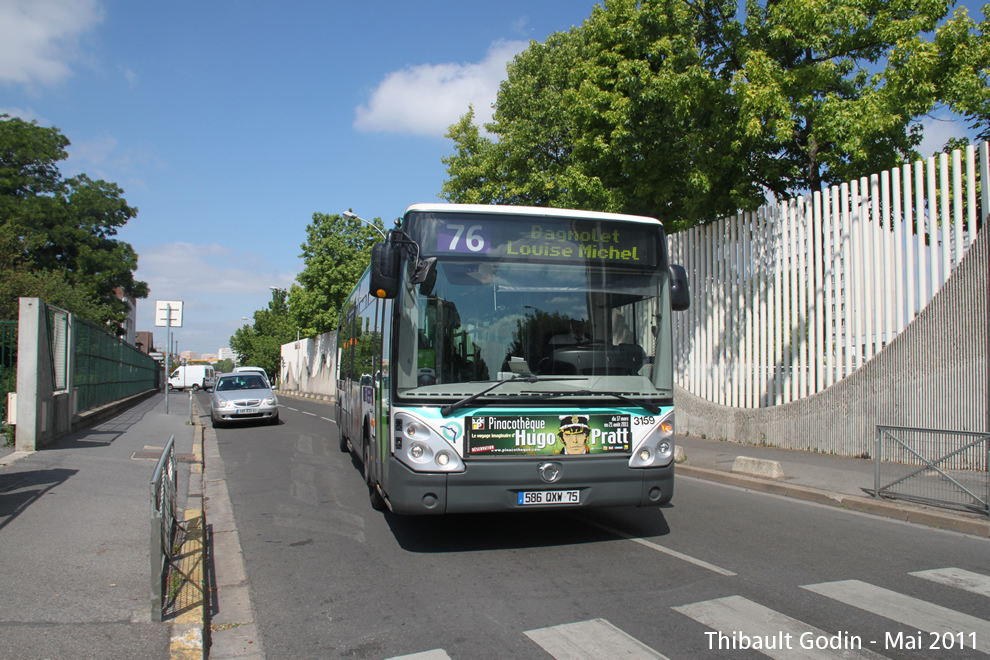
x=526, y=210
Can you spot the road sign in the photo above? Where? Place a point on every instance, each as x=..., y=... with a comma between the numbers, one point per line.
x=162, y=309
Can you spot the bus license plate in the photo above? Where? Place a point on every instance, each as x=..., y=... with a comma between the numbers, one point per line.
x=549, y=497
x=247, y=411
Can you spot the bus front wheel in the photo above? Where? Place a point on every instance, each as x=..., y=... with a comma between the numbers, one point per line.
x=377, y=501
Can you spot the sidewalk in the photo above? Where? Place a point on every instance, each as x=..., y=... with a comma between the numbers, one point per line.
x=831, y=480
x=75, y=520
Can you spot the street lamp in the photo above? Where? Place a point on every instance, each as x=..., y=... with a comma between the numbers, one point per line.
x=352, y=216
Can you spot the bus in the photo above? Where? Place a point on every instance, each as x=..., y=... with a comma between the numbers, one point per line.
x=502, y=358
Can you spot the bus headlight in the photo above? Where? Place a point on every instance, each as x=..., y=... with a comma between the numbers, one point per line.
x=422, y=449
x=417, y=451
x=657, y=449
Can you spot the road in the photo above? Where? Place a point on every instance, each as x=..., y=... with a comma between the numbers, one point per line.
x=332, y=578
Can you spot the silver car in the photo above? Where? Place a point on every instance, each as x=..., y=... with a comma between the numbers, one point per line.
x=241, y=397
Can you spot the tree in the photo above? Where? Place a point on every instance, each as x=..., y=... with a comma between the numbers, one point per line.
x=683, y=111
x=336, y=252
x=260, y=344
x=224, y=366
x=56, y=235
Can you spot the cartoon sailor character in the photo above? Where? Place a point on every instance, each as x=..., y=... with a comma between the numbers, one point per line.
x=574, y=433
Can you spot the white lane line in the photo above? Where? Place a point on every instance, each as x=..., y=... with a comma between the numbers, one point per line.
x=912, y=612
x=292, y=409
x=308, y=413
x=666, y=551
x=590, y=640
x=742, y=624
x=976, y=583
x=333, y=421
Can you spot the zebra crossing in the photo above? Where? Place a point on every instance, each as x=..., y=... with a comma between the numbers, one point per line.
x=738, y=623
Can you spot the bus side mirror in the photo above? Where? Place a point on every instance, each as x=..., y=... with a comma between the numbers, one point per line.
x=384, y=273
x=680, y=298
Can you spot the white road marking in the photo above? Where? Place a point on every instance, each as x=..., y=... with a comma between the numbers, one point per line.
x=740, y=624
x=976, y=583
x=435, y=654
x=912, y=612
x=667, y=551
x=591, y=640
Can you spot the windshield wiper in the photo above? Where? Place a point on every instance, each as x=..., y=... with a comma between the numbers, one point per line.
x=653, y=408
x=446, y=410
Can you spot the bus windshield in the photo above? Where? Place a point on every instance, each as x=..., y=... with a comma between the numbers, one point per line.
x=548, y=328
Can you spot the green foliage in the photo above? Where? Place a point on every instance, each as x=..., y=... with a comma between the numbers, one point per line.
x=260, y=344
x=56, y=235
x=336, y=252
x=689, y=110
x=223, y=366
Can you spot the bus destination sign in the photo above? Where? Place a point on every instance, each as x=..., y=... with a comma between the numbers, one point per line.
x=546, y=239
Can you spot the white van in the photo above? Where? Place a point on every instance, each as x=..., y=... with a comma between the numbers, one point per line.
x=192, y=376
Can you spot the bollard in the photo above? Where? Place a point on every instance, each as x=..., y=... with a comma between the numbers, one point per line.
x=190, y=408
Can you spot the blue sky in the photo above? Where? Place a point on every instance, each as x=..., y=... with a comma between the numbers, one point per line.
x=229, y=123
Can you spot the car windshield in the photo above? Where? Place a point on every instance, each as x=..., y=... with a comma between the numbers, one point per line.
x=241, y=383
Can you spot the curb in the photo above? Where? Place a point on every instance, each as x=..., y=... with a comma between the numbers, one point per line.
x=187, y=639
x=304, y=395
x=876, y=507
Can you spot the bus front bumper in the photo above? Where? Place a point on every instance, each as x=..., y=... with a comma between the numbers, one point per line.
x=495, y=485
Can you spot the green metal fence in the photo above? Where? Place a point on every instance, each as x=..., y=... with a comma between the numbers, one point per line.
x=107, y=369
x=8, y=364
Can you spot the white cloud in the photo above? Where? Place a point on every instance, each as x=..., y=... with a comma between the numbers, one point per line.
x=427, y=99
x=207, y=269
x=939, y=129
x=95, y=152
x=24, y=114
x=39, y=38
x=130, y=76
x=218, y=285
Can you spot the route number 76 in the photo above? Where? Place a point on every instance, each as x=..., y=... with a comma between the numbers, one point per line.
x=473, y=238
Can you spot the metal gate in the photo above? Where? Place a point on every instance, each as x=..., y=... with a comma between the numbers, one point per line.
x=942, y=468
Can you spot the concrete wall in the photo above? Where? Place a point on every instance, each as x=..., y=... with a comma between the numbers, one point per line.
x=42, y=413
x=933, y=375
x=310, y=365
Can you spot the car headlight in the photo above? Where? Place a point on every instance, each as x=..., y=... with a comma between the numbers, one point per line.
x=422, y=449
x=270, y=401
x=656, y=449
x=223, y=403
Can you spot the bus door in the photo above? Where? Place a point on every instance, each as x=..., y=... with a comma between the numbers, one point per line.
x=383, y=401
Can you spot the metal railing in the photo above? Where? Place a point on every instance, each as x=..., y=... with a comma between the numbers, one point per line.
x=164, y=527
x=107, y=369
x=942, y=468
